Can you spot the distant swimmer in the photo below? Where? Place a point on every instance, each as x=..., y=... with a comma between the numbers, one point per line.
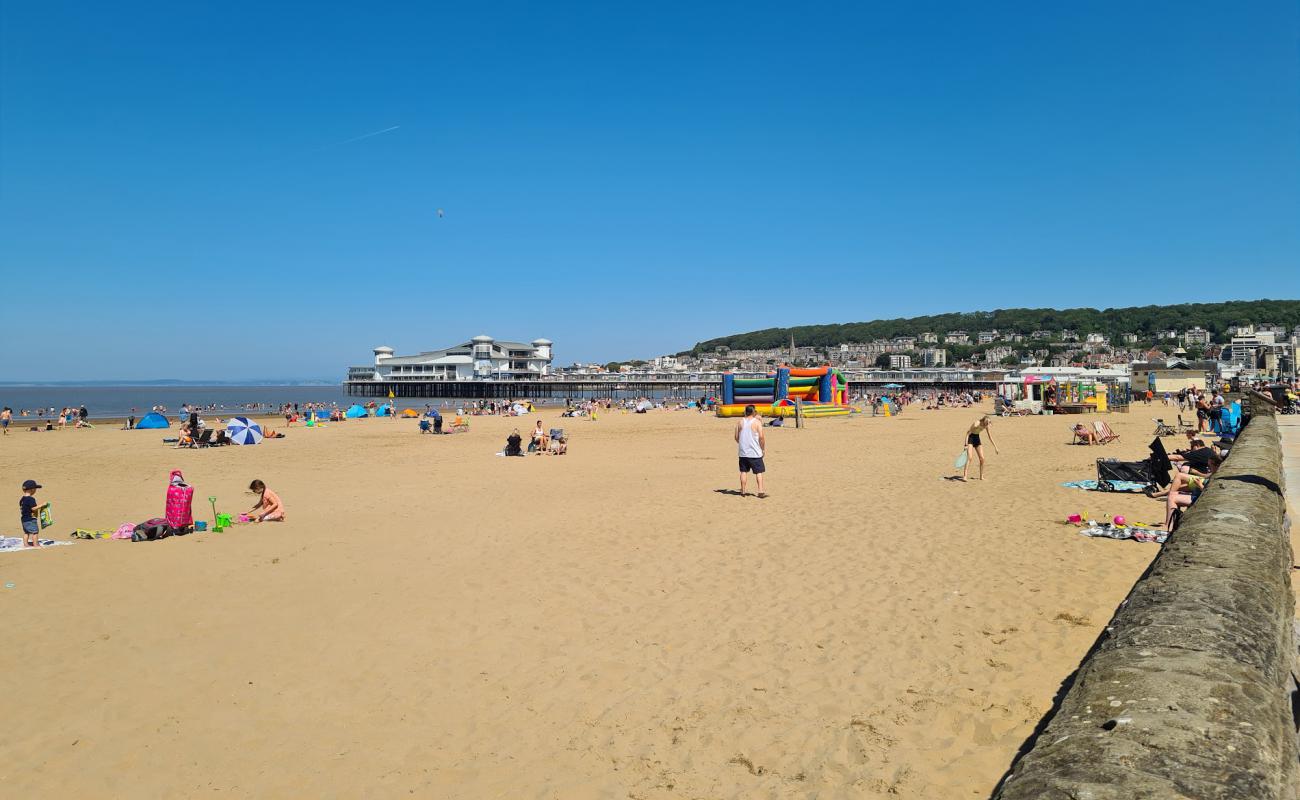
x=440, y=213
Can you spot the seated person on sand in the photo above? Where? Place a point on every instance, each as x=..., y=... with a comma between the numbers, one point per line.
x=268, y=508
x=1199, y=459
x=540, y=439
x=186, y=438
x=1183, y=491
x=1085, y=433
x=513, y=442
x=558, y=446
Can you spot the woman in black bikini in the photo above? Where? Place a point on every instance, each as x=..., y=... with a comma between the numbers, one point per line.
x=975, y=448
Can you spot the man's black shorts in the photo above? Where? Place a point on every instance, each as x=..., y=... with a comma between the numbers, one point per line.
x=754, y=465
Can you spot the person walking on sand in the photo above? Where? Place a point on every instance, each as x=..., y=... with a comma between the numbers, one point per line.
x=6, y=416
x=974, y=447
x=751, y=442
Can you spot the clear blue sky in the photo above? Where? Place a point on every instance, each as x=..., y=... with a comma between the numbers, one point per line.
x=184, y=193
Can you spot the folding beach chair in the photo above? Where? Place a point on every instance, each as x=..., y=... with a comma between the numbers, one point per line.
x=459, y=425
x=205, y=438
x=556, y=433
x=1104, y=434
x=1162, y=429
x=1183, y=426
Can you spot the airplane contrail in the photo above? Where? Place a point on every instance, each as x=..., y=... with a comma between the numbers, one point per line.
x=363, y=136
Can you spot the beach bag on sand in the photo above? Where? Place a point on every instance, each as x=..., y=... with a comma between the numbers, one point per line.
x=125, y=531
x=960, y=463
x=180, y=502
x=151, y=530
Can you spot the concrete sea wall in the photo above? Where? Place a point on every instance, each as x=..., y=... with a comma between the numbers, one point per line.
x=1189, y=692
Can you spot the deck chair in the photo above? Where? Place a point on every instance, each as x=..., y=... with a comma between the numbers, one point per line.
x=205, y=438
x=556, y=433
x=1104, y=434
x=1183, y=426
x=459, y=425
x=1162, y=429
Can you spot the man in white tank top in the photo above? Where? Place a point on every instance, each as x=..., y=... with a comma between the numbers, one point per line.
x=752, y=443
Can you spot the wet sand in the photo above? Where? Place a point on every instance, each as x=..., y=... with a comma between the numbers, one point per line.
x=435, y=621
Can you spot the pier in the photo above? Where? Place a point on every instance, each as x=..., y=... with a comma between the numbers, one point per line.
x=658, y=386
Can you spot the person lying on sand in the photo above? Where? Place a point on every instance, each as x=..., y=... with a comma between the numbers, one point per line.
x=268, y=508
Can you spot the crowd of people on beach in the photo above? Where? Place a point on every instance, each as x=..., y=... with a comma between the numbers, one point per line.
x=67, y=417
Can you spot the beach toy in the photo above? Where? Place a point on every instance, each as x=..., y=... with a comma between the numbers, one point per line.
x=1119, y=519
x=223, y=521
x=200, y=525
x=243, y=518
x=1074, y=519
x=212, y=498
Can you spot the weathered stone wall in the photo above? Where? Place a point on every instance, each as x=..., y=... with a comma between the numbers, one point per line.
x=1189, y=692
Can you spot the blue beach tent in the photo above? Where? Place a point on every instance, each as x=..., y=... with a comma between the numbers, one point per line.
x=354, y=412
x=151, y=421
x=384, y=411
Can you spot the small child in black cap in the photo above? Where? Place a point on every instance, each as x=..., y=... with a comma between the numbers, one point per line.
x=27, y=507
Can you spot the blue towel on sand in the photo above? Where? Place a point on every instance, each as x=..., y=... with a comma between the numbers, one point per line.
x=1116, y=486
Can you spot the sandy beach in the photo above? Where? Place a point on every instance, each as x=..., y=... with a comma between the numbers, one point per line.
x=435, y=621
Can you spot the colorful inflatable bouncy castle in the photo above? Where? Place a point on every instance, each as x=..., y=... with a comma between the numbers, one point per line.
x=823, y=391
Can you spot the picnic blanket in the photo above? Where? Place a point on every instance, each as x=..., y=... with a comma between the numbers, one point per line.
x=1115, y=486
x=15, y=544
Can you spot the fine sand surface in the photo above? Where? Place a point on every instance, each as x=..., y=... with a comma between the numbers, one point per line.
x=434, y=621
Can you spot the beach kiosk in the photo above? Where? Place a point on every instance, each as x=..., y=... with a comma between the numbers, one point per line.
x=1065, y=390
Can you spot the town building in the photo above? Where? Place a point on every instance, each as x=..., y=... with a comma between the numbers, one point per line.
x=900, y=361
x=1172, y=375
x=934, y=357
x=984, y=337
x=1196, y=335
x=956, y=337
x=929, y=338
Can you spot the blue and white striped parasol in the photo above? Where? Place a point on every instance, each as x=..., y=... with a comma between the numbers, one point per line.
x=243, y=430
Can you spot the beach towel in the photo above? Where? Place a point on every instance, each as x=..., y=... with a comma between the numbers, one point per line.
x=1115, y=486
x=1136, y=533
x=14, y=544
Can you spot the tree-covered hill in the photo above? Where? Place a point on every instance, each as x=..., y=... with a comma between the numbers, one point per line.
x=1145, y=321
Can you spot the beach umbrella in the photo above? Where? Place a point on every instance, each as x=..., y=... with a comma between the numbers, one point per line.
x=243, y=430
